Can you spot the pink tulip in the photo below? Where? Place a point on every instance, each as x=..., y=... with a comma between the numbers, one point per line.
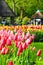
x=28, y=41
x=17, y=43
x=8, y=42
x=24, y=46
x=3, y=51
x=27, y=34
x=33, y=36
x=39, y=52
x=19, y=38
x=22, y=39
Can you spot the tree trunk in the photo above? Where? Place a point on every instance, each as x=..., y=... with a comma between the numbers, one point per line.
x=12, y=20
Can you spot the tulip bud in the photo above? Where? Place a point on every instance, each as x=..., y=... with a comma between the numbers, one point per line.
x=10, y=63
x=40, y=59
x=39, y=52
x=18, y=53
x=20, y=48
x=31, y=48
x=34, y=48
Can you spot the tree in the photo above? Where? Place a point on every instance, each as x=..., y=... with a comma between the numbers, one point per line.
x=25, y=7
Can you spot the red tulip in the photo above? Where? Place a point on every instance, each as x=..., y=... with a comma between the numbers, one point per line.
x=18, y=53
x=39, y=52
x=15, y=38
x=10, y=63
x=3, y=41
x=6, y=50
x=1, y=46
x=8, y=42
x=3, y=51
x=0, y=37
x=17, y=43
x=20, y=49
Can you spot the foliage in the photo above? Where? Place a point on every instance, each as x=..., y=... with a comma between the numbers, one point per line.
x=25, y=20
x=38, y=36
x=29, y=6
x=18, y=20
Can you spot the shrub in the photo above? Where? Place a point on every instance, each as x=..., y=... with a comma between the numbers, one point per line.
x=25, y=20
x=38, y=36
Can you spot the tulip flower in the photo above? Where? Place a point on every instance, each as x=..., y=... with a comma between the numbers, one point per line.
x=19, y=38
x=22, y=39
x=28, y=34
x=10, y=63
x=28, y=41
x=24, y=46
x=3, y=51
x=18, y=53
x=20, y=49
x=34, y=48
x=6, y=50
x=39, y=52
x=8, y=42
x=40, y=59
x=3, y=41
x=18, y=44
x=0, y=37
x=1, y=46
x=33, y=36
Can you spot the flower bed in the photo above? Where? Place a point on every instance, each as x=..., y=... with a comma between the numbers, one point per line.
x=15, y=47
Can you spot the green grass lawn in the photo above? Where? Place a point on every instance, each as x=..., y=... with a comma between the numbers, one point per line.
x=38, y=45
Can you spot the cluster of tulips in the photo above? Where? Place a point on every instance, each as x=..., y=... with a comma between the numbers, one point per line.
x=21, y=40
x=5, y=41
x=38, y=54
x=24, y=27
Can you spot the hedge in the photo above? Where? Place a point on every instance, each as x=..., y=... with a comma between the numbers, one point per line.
x=38, y=36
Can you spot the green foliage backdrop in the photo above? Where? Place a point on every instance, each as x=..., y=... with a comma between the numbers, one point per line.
x=28, y=6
